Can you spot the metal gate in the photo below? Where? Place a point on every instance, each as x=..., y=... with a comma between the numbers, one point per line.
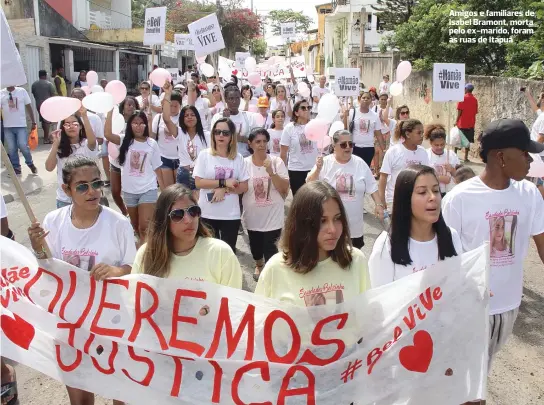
x=33, y=66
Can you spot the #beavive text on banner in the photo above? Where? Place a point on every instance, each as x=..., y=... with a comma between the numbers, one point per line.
x=288, y=30
x=346, y=82
x=184, y=42
x=448, y=82
x=155, y=26
x=207, y=36
x=147, y=340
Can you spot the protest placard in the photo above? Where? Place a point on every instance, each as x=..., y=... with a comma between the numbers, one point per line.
x=143, y=340
x=288, y=30
x=207, y=36
x=174, y=72
x=346, y=82
x=241, y=59
x=11, y=66
x=155, y=26
x=184, y=42
x=448, y=81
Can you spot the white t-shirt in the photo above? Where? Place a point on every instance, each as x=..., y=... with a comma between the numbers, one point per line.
x=318, y=92
x=203, y=107
x=506, y=217
x=396, y=159
x=155, y=102
x=352, y=180
x=218, y=108
x=376, y=109
x=244, y=122
x=274, y=144
x=384, y=88
x=115, y=162
x=244, y=103
x=302, y=152
x=538, y=129
x=78, y=149
x=3, y=208
x=110, y=240
x=263, y=204
x=281, y=105
x=267, y=121
x=438, y=162
x=188, y=150
x=13, y=111
x=214, y=168
x=424, y=255
x=138, y=171
x=168, y=144
x=364, y=126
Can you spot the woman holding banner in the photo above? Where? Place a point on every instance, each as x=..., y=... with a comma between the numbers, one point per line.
x=92, y=237
x=180, y=246
x=418, y=237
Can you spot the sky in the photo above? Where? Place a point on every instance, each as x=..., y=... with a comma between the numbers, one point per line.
x=263, y=7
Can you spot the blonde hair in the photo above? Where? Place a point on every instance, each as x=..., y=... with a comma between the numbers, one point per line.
x=232, y=149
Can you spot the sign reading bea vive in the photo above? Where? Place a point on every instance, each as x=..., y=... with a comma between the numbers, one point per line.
x=448, y=82
x=184, y=42
x=142, y=339
x=155, y=26
x=207, y=36
x=288, y=30
x=346, y=82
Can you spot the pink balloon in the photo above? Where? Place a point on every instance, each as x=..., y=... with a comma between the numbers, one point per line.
x=253, y=108
x=316, y=129
x=117, y=89
x=403, y=70
x=92, y=78
x=324, y=142
x=86, y=89
x=113, y=150
x=254, y=79
x=537, y=166
x=55, y=109
x=159, y=76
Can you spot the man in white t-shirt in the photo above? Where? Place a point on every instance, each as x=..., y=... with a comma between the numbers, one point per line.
x=501, y=208
x=317, y=93
x=15, y=104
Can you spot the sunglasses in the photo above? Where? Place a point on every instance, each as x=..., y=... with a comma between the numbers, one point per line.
x=144, y=88
x=348, y=144
x=304, y=108
x=404, y=113
x=68, y=125
x=141, y=124
x=177, y=216
x=215, y=90
x=223, y=132
x=84, y=187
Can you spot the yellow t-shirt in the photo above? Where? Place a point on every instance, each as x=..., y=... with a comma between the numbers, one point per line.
x=211, y=260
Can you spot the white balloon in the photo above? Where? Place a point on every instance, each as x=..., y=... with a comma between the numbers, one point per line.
x=311, y=78
x=328, y=107
x=396, y=89
x=97, y=89
x=92, y=78
x=305, y=92
x=98, y=102
x=206, y=69
x=336, y=126
x=301, y=86
x=118, y=122
x=250, y=64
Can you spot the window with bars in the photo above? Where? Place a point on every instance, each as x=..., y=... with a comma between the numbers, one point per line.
x=99, y=60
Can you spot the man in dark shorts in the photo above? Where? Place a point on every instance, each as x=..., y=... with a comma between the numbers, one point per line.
x=42, y=89
x=466, y=116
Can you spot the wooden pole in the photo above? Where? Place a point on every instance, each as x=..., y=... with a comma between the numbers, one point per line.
x=447, y=133
x=22, y=196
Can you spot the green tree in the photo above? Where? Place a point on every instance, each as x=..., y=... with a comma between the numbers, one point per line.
x=138, y=11
x=277, y=17
x=258, y=47
x=394, y=12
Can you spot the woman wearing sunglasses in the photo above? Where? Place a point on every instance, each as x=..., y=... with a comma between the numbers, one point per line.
x=352, y=179
x=148, y=101
x=221, y=175
x=302, y=152
x=75, y=138
x=90, y=236
x=180, y=246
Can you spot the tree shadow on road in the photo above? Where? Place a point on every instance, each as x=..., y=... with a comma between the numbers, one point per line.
x=529, y=326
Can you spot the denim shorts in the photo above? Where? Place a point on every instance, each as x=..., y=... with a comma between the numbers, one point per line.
x=185, y=177
x=103, y=149
x=115, y=169
x=171, y=164
x=133, y=200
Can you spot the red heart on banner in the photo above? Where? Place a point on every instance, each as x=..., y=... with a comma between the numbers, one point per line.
x=302, y=69
x=418, y=357
x=18, y=330
x=235, y=72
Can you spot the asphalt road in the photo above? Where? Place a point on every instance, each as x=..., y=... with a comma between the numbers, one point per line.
x=517, y=376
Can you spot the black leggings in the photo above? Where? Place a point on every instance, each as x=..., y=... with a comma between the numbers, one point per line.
x=263, y=244
x=367, y=154
x=224, y=229
x=297, y=179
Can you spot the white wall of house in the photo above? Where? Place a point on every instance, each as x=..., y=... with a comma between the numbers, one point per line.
x=105, y=14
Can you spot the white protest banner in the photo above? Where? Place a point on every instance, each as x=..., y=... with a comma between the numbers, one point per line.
x=288, y=30
x=184, y=42
x=155, y=26
x=175, y=75
x=207, y=36
x=346, y=82
x=147, y=340
x=298, y=64
x=241, y=59
x=11, y=66
x=448, y=82
x=227, y=67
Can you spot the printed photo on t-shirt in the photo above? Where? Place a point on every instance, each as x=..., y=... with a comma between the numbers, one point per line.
x=261, y=190
x=137, y=163
x=502, y=238
x=276, y=145
x=324, y=298
x=364, y=125
x=223, y=173
x=191, y=149
x=345, y=186
x=13, y=103
x=75, y=258
x=306, y=146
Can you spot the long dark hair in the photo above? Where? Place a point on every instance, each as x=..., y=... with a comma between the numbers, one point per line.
x=296, y=107
x=274, y=113
x=160, y=245
x=65, y=147
x=298, y=240
x=122, y=104
x=129, y=135
x=401, y=219
x=199, y=126
x=405, y=126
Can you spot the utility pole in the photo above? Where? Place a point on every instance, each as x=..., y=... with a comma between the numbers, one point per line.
x=362, y=40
